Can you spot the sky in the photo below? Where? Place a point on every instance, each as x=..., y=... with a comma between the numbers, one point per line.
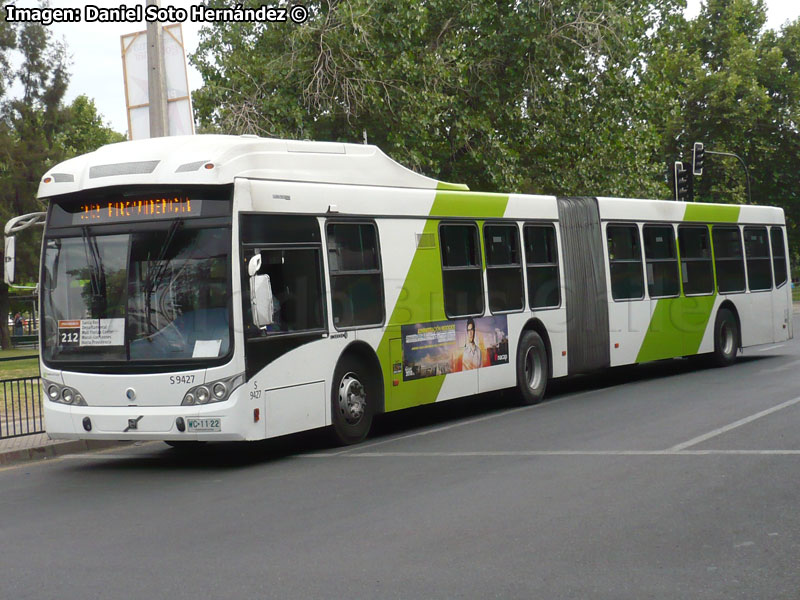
x=95, y=49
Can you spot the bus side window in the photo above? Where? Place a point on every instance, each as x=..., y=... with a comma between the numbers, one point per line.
x=462, y=271
x=625, y=262
x=662, y=261
x=759, y=271
x=355, y=272
x=778, y=256
x=728, y=258
x=696, y=268
x=503, y=267
x=541, y=261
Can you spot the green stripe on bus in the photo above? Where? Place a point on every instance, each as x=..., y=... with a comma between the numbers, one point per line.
x=676, y=327
x=711, y=213
x=459, y=187
x=469, y=204
x=422, y=297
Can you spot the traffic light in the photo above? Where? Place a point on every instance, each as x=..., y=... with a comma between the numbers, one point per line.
x=683, y=182
x=698, y=156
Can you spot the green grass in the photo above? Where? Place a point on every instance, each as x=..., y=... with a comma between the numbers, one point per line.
x=796, y=294
x=14, y=369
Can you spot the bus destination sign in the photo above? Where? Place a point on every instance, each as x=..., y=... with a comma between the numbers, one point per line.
x=136, y=209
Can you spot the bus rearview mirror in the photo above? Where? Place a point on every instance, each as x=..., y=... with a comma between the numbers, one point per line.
x=260, y=293
x=8, y=267
x=261, y=300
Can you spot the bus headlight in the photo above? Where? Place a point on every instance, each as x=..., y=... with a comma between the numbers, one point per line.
x=213, y=391
x=202, y=394
x=63, y=394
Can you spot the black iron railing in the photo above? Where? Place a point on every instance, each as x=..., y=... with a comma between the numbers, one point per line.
x=21, y=407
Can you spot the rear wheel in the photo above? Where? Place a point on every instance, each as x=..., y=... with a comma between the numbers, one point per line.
x=353, y=399
x=726, y=338
x=532, y=369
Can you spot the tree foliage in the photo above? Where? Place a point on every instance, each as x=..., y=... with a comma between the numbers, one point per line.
x=592, y=97
x=36, y=131
x=499, y=95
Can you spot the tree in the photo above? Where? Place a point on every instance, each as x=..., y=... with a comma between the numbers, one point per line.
x=540, y=96
x=735, y=87
x=29, y=125
x=83, y=129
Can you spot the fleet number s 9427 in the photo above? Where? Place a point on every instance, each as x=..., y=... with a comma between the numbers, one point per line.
x=184, y=379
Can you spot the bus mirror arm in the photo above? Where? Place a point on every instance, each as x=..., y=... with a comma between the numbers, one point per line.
x=12, y=226
x=260, y=293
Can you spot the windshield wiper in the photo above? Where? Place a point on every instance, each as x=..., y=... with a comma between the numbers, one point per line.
x=97, y=277
x=154, y=276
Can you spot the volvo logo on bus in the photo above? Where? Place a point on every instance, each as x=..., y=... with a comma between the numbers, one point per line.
x=130, y=393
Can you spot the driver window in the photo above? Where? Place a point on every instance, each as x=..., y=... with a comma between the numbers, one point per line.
x=294, y=275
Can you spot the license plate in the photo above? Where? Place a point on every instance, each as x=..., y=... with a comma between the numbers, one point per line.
x=207, y=424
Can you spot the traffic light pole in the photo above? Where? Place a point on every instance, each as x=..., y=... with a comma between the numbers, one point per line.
x=746, y=172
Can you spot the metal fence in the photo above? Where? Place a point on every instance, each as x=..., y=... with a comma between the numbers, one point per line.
x=21, y=407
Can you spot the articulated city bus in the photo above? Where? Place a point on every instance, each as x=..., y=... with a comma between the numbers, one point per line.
x=237, y=288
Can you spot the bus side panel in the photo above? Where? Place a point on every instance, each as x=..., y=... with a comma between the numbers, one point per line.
x=755, y=315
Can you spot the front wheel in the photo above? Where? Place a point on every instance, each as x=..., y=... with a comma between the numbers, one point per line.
x=532, y=369
x=726, y=338
x=352, y=401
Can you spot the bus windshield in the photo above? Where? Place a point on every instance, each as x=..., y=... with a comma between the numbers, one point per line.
x=158, y=294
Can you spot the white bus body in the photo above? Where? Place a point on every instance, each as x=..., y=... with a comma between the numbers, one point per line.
x=377, y=273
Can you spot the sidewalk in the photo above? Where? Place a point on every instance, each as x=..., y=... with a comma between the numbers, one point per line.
x=39, y=447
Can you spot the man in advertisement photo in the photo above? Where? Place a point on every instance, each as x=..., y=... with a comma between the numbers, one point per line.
x=471, y=356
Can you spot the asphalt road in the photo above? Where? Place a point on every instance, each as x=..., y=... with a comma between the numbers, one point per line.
x=665, y=480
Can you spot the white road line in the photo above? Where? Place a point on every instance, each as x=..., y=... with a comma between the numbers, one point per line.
x=458, y=424
x=523, y=453
x=773, y=347
x=783, y=367
x=97, y=456
x=734, y=425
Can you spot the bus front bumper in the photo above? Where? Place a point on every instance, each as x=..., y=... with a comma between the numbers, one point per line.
x=211, y=422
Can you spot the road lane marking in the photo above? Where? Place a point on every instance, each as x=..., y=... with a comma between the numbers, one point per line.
x=734, y=425
x=461, y=423
x=523, y=453
x=783, y=367
x=773, y=347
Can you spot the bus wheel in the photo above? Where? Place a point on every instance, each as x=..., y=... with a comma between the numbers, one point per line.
x=352, y=401
x=726, y=338
x=531, y=368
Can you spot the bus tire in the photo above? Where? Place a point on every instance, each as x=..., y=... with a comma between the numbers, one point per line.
x=353, y=400
x=726, y=338
x=532, y=370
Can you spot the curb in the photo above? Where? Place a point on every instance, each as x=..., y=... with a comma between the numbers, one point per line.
x=55, y=450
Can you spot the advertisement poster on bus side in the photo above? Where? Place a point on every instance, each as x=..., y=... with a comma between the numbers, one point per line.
x=442, y=347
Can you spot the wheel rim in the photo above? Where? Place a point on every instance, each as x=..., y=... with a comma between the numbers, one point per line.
x=352, y=399
x=726, y=335
x=533, y=368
